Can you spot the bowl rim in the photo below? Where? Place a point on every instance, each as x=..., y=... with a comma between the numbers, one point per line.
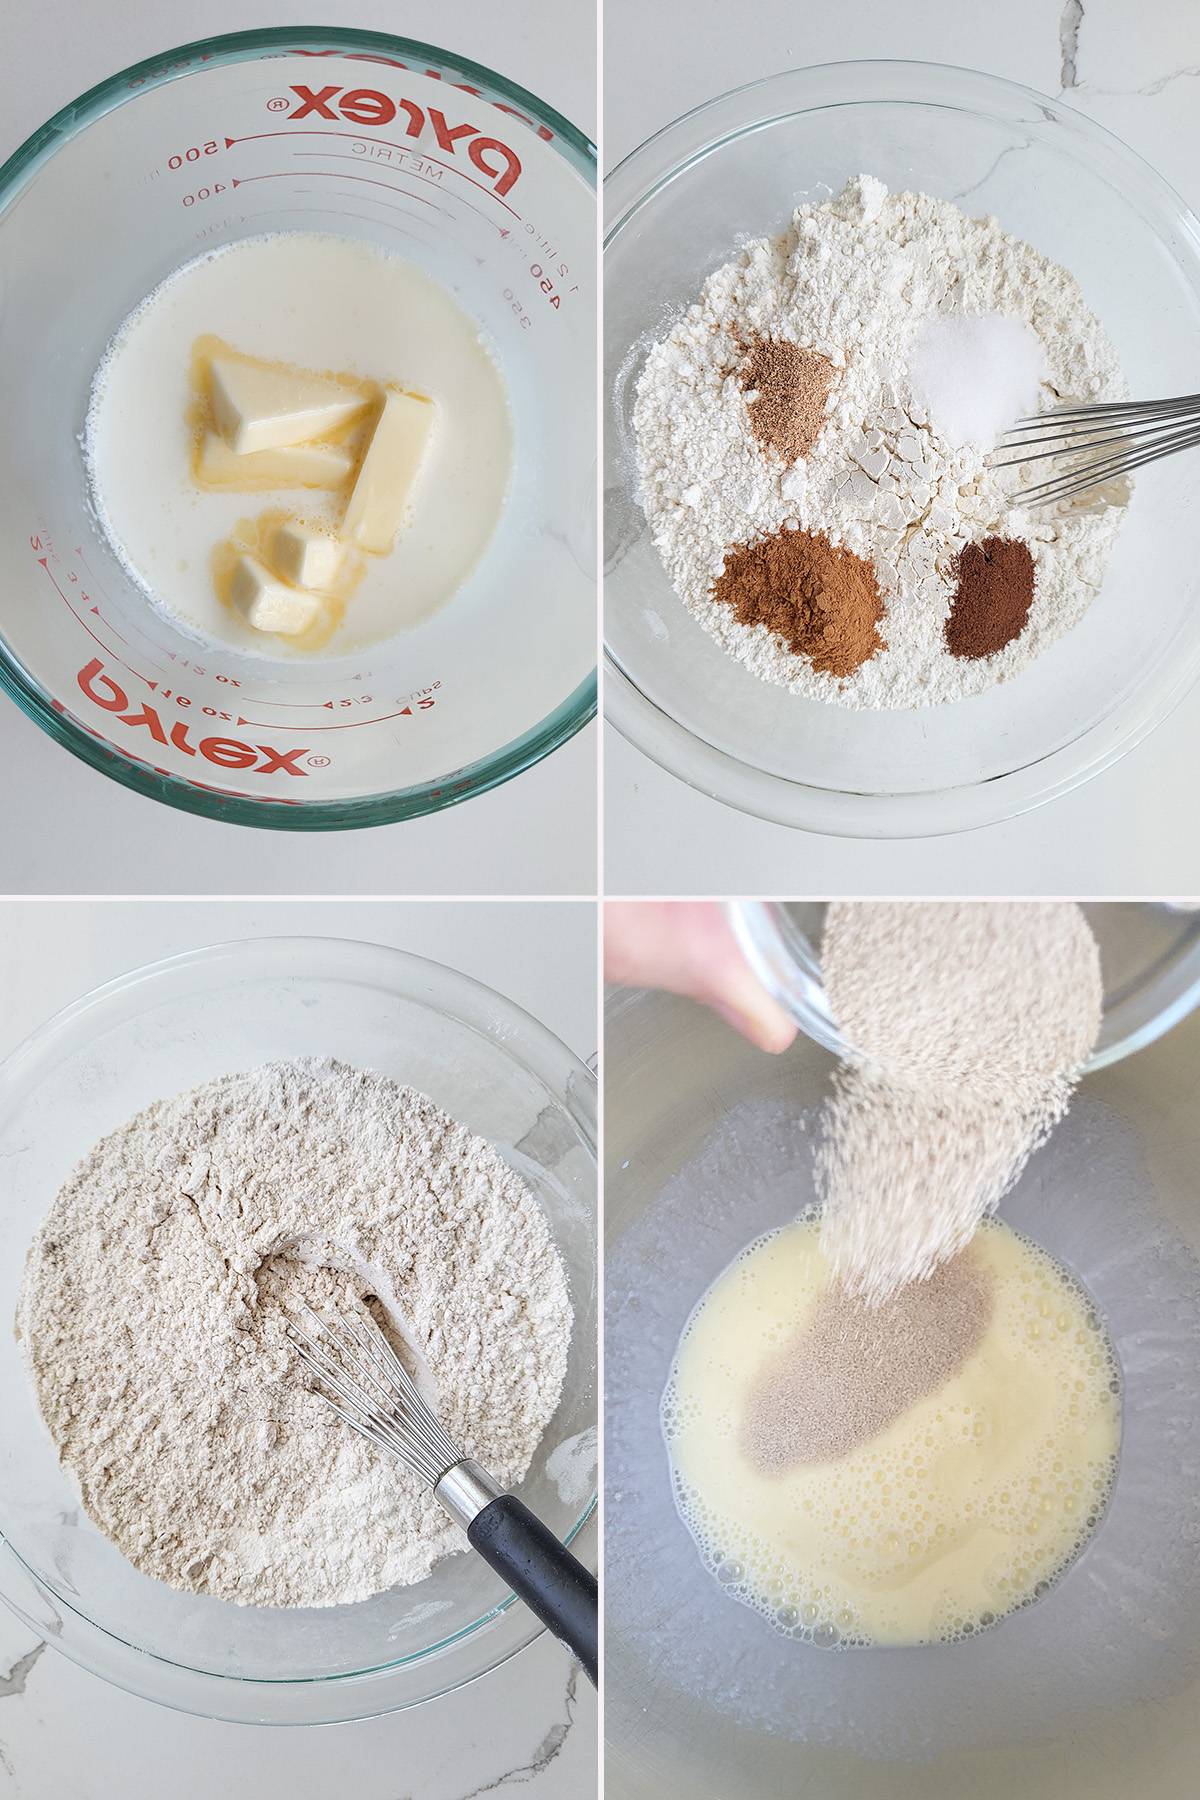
x=209, y=801
x=727, y=777
x=788, y=965
x=505, y=1628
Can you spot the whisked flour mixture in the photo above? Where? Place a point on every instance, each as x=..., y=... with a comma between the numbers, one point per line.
x=971, y=1021
x=152, y=1318
x=813, y=440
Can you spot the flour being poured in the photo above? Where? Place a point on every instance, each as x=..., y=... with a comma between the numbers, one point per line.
x=152, y=1317
x=971, y=1021
x=924, y=333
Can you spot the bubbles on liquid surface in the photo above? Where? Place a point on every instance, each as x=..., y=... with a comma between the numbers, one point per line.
x=882, y=1506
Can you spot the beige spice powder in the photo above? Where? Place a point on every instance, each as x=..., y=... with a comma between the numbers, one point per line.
x=857, y=1367
x=789, y=386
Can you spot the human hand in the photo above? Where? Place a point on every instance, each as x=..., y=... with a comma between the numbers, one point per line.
x=688, y=947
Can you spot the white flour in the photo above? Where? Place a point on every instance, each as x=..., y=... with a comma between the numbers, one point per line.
x=152, y=1311
x=855, y=279
x=972, y=1019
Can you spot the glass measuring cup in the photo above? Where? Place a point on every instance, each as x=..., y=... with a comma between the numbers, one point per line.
x=1149, y=965
x=404, y=147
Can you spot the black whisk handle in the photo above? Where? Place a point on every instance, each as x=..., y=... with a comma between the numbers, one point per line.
x=555, y=1587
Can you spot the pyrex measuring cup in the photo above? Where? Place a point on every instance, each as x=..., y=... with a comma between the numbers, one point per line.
x=404, y=147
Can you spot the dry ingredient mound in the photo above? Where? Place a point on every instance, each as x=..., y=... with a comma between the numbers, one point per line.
x=823, y=602
x=992, y=596
x=856, y=1368
x=785, y=389
x=152, y=1318
x=970, y=1021
x=859, y=286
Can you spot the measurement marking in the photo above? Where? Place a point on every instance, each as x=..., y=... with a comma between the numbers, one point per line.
x=417, y=218
x=107, y=648
x=149, y=648
x=285, y=175
x=293, y=705
x=349, y=725
x=413, y=175
x=107, y=622
x=358, y=137
x=367, y=218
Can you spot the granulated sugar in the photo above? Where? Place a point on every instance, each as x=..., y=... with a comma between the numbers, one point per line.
x=970, y=1022
x=856, y=1367
x=975, y=374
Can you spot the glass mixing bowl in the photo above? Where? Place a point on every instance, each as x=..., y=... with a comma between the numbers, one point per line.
x=734, y=170
x=1149, y=964
x=216, y=142
x=166, y=1028
x=1090, y=1690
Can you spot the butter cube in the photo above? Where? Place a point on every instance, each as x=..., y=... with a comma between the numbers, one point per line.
x=257, y=407
x=389, y=472
x=287, y=466
x=266, y=604
x=306, y=558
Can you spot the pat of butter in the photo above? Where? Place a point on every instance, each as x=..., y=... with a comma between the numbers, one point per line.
x=257, y=407
x=266, y=604
x=306, y=558
x=389, y=472
x=288, y=465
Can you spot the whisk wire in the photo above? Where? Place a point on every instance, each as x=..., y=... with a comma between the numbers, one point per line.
x=1077, y=481
x=380, y=1398
x=382, y=1404
x=1136, y=432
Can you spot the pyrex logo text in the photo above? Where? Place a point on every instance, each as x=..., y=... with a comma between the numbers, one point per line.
x=368, y=106
x=226, y=753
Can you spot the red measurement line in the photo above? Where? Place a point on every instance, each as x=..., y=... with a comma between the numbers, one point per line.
x=104, y=621
x=259, y=725
x=413, y=175
x=292, y=705
x=154, y=648
x=285, y=175
x=107, y=648
x=417, y=218
x=358, y=137
x=345, y=212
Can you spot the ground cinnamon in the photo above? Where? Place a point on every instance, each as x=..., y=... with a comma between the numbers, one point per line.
x=822, y=601
x=790, y=388
x=992, y=596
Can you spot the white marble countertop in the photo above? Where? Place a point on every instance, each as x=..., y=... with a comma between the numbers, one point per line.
x=68, y=829
x=532, y=1724
x=1135, y=829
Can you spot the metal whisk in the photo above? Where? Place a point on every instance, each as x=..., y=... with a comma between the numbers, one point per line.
x=1114, y=438
x=378, y=1399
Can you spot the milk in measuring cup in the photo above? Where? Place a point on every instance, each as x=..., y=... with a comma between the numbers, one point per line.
x=322, y=303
